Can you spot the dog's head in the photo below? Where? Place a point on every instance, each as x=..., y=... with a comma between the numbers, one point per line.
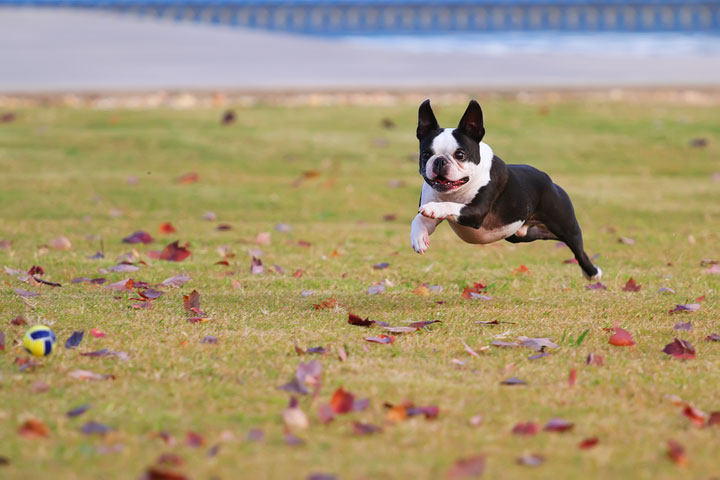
x=449, y=157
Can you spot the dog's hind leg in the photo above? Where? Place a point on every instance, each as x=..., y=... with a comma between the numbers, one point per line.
x=535, y=232
x=558, y=214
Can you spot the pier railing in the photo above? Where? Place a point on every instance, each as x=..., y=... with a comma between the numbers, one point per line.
x=370, y=17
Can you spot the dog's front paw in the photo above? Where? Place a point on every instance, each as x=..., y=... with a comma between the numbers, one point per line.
x=420, y=242
x=439, y=210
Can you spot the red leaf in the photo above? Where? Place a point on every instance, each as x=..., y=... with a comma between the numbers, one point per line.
x=621, y=338
x=588, y=443
x=697, y=416
x=680, y=349
x=191, y=301
x=526, y=429
x=359, y=322
x=467, y=467
x=676, y=452
x=476, y=288
x=174, y=252
x=631, y=286
x=298, y=273
x=572, y=378
x=714, y=419
x=687, y=307
x=385, y=339
x=342, y=401
x=166, y=228
x=194, y=440
x=187, y=178
x=138, y=237
x=97, y=333
x=558, y=425
x=521, y=269
x=34, y=428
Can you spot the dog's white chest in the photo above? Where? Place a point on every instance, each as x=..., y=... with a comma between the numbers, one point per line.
x=481, y=235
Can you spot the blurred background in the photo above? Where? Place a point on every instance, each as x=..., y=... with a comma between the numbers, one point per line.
x=280, y=45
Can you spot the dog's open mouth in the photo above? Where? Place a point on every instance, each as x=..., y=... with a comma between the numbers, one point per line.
x=445, y=184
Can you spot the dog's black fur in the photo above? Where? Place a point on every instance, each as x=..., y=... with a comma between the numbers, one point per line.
x=513, y=193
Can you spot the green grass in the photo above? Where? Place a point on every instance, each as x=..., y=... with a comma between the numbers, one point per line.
x=628, y=168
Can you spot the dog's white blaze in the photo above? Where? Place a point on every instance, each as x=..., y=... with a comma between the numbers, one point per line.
x=481, y=235
x=479, y=175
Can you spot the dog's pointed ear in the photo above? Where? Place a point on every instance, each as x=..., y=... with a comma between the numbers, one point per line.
x=426, y=120
x=471, y=123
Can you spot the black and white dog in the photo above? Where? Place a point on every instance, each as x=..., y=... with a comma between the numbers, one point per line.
x=482, y=198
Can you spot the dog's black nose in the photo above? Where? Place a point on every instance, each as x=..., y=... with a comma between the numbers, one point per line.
x=439, y=165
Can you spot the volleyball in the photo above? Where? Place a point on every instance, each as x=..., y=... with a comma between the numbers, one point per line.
x=39, y=340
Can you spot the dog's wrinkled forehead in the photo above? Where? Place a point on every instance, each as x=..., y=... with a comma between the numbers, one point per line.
x=449, y=140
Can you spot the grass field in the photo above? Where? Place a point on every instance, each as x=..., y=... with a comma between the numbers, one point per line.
x=333, y=174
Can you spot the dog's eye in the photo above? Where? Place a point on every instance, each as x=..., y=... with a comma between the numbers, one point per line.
x=459, y=155
x=426, y=155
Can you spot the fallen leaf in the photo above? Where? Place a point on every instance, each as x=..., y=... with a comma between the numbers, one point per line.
x=74, y=339
x=33, y=428
x=538, y=344
x=686, y=326
x=174, y=252
x=526, y=429
x=294, y=417
x=621, y=338
x=588, y=443
x=697, y=416
x=626, y=240
x=477, y=288
x=476, y=420
x=342, y=354
x=521, y=269
x=25, y=293
x=558, y=425
x=358, y=321
x=595, y=359
x=209, y=339
x=307, y=374
x=191, y=301
x=325, y=413
x=689, y=307
x=381, y=266
x=385, y=339
x=18, y=321
x=676, y=453
x=326, y=304
x=423, y=323
x=530, y=460
x=502, y=344
x=188, y=178
x=88, y=375
x=176, y=280
x=60, y=243
x=467, y=467
x=680, y=349
x=157, y=473
x=2, y=340
x=572, y=377
x=291, y=439
x=422, y=290
x=121, y=285
x=512, y=381
x=713, y=337
x=714, y=419
x=97, y=333
x=360, y=428
x=631, y=286
x=194, y=440
x=139, y=236
x=342, y=401
x=256, y=266
x=596, y=286
x=95, y=428
x=77, y=411
x=400, y=329
x=167, y=228
x=470, y=350
x=375, y=289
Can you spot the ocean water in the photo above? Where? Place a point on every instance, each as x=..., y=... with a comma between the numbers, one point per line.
x=500, y=44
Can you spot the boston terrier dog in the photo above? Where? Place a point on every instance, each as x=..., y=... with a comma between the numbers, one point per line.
x=482, y=198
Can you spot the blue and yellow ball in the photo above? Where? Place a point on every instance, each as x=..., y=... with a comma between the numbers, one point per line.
x=39, y=341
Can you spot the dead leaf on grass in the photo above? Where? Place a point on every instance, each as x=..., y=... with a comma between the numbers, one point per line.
x=680, y=349
x=33, y=428
x=467, y=467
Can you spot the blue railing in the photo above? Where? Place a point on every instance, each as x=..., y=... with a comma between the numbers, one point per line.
x=367, y=17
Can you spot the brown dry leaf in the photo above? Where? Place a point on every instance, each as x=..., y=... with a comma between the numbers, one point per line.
x=325, y=304
x=396, y=414
x=34, y=428
x=422, y=290
x=342, y=401
x=188, y=178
